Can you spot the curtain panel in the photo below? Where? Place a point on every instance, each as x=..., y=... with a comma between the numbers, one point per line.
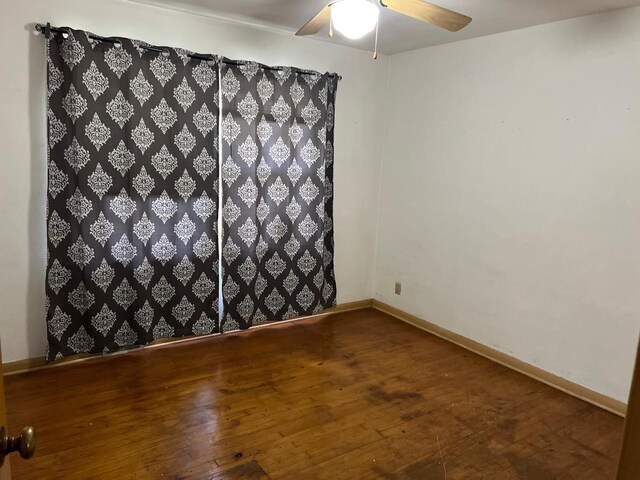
x=277, y=172
x=132, y=194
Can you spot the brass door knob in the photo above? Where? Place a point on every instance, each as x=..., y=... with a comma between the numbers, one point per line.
x=25, y=444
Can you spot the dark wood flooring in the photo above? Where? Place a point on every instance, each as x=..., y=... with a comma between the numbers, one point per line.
x=358, y=395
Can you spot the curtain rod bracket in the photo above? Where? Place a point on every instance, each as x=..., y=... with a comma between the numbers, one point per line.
x=47, y=29
x=44, y=29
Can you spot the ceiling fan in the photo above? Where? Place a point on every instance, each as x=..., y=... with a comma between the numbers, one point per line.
x=356, y=18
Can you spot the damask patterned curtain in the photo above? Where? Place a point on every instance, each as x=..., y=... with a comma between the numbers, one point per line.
x=277, y=171
x=132, y=197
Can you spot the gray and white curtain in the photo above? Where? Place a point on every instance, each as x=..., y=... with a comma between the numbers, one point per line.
x=133, y=194
x=132, y=219
x=277, y=172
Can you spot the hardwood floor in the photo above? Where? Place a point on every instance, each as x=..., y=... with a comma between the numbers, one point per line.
x=358, y=395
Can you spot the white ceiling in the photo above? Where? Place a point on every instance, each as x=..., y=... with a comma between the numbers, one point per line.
x=397, y=32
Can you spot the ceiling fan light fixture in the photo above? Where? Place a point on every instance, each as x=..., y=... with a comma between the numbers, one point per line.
x=354, y=18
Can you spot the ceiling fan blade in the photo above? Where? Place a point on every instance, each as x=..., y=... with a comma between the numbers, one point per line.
x=316, y=23
x=429, y=13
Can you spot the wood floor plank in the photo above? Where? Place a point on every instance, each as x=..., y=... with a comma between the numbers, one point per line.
x=350, y=396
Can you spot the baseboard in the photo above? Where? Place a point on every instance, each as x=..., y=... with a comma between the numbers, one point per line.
x=598, y=399
x=38, y=363
x=347, y=307
x=22, y=365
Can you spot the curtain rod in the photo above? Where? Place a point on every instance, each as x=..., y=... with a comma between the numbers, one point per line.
x=277, y=69
x=46, y=29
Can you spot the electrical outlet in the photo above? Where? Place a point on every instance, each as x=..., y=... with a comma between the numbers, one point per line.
x=398, y=288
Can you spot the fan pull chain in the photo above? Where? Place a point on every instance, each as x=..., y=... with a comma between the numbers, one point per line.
x=375, y=48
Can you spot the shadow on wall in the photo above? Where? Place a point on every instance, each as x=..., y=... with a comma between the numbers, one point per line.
x=596, y=31
x=35, y=298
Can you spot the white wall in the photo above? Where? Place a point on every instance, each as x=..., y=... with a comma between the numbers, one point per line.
x=510, y=195
x=23, y=134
